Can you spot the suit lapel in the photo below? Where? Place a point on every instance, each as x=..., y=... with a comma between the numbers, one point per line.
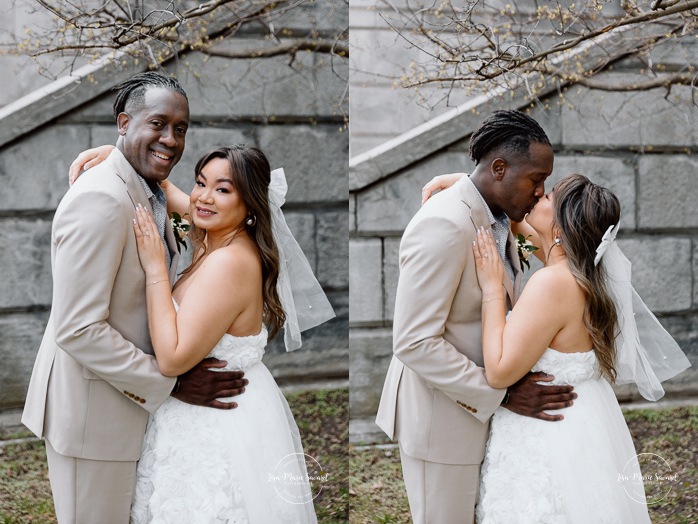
x=137, y=195
x=478, y=216
x=126, y=173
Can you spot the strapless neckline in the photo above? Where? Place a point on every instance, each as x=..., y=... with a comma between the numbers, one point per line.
x=571, y=352
x=251, y=338
x=568, y=368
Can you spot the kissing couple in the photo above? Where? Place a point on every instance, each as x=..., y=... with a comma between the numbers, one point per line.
x=134, y=381
x=478, y=364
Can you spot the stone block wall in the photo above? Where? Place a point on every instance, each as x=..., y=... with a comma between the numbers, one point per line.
x=295, y=113
x=643, y=146
x=378, y=60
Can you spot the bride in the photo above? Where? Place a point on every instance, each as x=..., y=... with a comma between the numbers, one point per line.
x=574, y=320
x=201, y=465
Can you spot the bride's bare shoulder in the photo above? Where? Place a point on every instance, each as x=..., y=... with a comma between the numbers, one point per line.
x=238, y=256
x=554, y=281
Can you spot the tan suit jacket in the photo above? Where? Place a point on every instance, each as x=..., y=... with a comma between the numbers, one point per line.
x=95, y=377
x=436, y=401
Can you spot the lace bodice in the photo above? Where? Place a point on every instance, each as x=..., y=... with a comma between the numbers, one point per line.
x=568, y=368
x=241, y=353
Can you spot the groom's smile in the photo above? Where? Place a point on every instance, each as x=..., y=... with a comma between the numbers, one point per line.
x=154, y=133
x=162, y=156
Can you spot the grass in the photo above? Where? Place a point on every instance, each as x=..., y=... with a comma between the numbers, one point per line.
x=25, y=495
x=323, y=420
x=672, y=434
x=378, y=493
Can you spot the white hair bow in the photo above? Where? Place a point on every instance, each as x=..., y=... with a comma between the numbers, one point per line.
x=301, y=295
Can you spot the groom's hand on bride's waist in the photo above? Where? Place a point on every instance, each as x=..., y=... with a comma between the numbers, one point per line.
x=531, y=399
x=202, y=386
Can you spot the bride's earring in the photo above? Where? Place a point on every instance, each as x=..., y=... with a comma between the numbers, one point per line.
x=556, y=242
x=251, y=220
x=556, y=239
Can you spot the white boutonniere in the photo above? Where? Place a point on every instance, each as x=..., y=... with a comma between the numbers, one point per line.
x=181, y=227
x=525, y=248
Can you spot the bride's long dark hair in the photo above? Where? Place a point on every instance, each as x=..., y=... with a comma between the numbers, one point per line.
x=583, y=212
x=251, y=175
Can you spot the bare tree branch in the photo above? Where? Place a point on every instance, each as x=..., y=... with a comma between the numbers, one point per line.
x=663, y=4
x=665, y=81
x=318, y=46
x=166, y=27
x=481, y=45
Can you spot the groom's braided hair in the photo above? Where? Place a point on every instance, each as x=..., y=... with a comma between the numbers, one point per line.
x=132, y=91
x=508, y=130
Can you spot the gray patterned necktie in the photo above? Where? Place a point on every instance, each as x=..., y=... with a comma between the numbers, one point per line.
x=501, y=234
x=159, y=205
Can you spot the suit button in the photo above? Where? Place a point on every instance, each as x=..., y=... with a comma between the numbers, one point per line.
x=141, y=400
x=474, y=410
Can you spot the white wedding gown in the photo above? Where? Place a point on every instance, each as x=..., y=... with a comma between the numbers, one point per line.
x=204, y=466
x=569, y=471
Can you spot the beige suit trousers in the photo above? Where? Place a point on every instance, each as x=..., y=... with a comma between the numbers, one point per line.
x=90, y=491
x=440, y=493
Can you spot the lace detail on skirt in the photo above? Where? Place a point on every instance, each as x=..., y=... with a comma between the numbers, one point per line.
x=539, y=472
x=208, y=466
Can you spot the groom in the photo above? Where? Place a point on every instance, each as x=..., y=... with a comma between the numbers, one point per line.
x=95, y=378
x=436, y=401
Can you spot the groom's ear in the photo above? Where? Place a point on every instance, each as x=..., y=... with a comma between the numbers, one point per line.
x=498, y=168
x=122, y=121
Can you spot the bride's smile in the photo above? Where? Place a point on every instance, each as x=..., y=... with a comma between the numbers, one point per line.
x=215, y=203
x=200, y=211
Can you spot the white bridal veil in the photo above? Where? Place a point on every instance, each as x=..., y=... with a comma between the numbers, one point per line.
x=646, y=354
x=301, y=295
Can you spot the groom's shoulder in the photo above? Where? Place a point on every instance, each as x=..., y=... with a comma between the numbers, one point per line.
x=442, y=223
x=101, y=179
x=449, y=206
x=99, y=190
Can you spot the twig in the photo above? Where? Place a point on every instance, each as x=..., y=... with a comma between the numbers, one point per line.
x=337, y=47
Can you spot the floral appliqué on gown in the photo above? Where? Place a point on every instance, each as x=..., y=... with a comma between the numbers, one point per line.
x=203, y=466
x=565, y=472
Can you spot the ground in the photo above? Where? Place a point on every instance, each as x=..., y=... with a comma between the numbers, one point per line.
x=378, y=495
x=323, y=420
